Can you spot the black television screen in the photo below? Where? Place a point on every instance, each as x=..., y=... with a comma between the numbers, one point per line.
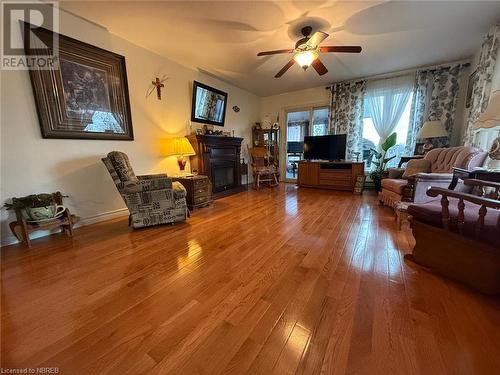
x=325, y=147
x=209, y=105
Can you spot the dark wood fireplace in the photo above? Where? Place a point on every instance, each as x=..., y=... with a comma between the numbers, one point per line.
x=219, y=158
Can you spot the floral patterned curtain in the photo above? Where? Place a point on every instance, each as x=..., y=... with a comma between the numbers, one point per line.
x=435, y=98
x=419, y=108
x=346, y=114
x=481, y=87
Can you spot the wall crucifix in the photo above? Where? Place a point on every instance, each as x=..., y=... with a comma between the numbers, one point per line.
x=158, y=85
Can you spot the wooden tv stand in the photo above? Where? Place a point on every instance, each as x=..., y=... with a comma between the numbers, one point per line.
x=337, y=175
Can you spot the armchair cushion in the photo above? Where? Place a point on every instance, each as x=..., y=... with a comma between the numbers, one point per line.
x=395, y=185
x=122, y=166
x=415, y=166
x=430, y=213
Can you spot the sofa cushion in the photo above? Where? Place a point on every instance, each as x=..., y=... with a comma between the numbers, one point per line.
x=417, y=166
x=444, y=159
x=430, y=213
x=394, y=185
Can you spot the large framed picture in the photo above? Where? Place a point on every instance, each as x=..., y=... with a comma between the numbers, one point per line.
x=85, y=96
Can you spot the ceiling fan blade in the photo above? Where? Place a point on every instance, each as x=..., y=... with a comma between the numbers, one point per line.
x=316, y=39
x=319, y=67
x=348, y=49
x=285, y=68
x=276, y=52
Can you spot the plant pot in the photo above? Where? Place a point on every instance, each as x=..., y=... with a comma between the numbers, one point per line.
x=377, y=182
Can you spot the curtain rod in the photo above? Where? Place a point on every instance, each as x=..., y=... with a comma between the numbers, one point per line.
x=428, y=69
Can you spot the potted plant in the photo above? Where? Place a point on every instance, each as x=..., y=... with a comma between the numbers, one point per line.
x=35, y=206
x=381, y=161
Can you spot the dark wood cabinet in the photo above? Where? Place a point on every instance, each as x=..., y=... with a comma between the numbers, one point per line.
x=218, y=158
x=199, y=190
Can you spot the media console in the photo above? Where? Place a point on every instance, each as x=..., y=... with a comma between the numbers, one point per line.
x=329, y=175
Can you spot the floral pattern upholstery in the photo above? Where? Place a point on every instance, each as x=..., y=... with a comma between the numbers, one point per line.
x=151, y=199
x=481, y=87
x=346, y=114
x=435, y=98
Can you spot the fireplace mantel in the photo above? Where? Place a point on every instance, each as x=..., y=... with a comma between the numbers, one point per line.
x=218, y=158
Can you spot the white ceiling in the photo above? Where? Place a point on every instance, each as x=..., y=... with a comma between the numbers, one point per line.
x=224, y=37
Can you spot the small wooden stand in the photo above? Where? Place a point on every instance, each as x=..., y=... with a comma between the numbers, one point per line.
x=198, y=190
x=21, y=228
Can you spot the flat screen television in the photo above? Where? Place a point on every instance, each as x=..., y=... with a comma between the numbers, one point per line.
x=209, y=105
x=325, y=147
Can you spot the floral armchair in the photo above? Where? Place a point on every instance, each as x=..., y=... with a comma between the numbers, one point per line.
x=151, y=199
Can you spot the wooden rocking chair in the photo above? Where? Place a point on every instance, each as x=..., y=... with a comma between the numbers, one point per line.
x=263, y=171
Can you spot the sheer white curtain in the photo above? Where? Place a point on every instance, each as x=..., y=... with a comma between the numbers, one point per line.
x=385, y=102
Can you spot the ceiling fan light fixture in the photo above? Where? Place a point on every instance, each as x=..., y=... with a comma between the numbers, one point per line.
x=305, y=58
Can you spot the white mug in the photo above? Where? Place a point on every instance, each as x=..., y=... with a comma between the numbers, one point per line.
x=42, y=213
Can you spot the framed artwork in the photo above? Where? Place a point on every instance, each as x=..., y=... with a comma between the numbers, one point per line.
x=470, y=87
x=86, y=96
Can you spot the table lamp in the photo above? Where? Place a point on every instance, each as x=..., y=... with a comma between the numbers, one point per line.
x=181, y=148
x=489, y=119
x=431, y=129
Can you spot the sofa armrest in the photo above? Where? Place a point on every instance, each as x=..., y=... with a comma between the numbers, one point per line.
x=418, y=184
x=442, y=177
x=483, y=203
x=487, y=202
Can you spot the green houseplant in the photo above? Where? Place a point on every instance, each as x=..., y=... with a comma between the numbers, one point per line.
x=381, y=161
x=29, y=204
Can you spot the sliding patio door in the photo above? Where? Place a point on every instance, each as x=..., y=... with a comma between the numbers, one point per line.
x=301, y=123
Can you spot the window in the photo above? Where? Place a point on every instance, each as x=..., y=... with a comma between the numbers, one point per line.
x=319, y=121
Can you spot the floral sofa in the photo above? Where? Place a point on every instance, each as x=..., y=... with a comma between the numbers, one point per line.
x=436, y=169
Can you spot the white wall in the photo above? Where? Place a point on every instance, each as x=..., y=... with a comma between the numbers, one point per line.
x=31, y=164
x=272, y=105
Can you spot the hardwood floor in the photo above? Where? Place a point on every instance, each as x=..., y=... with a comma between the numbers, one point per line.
x=280, y=281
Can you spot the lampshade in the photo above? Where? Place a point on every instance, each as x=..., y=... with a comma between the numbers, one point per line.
x=305, y=58
x=178, y=147
x=432, y=129
x=491, y=117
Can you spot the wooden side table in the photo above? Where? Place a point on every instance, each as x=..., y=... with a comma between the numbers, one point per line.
x=480, y=174
x=199, y=190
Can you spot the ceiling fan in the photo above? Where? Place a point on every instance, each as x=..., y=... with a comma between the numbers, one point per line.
x=307, y=50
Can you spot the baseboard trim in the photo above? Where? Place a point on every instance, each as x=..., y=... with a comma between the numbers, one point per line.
x=11, y=239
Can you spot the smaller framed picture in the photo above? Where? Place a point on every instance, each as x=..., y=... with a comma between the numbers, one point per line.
x=359, y=186
x=199, y=131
